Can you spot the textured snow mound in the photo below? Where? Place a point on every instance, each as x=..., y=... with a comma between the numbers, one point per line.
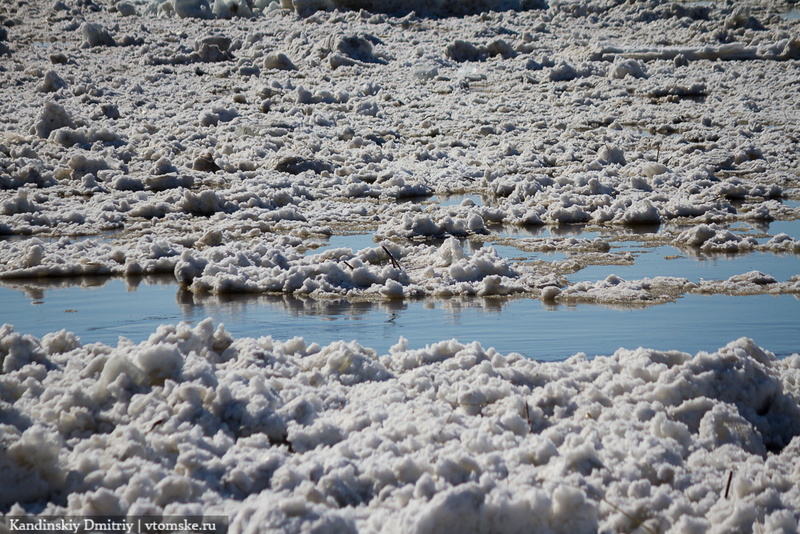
x=286, y=436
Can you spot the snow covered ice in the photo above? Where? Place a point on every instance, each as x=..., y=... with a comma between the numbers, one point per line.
x=287, y=437
x=219, y=141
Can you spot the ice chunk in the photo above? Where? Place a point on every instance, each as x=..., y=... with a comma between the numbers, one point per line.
x=627, y=67
x=159, y=362
x=52, y=117
x=30, y=464
x=278, y=61
x=95, y=34
x=51, y=83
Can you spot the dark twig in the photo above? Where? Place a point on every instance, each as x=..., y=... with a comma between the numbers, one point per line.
x=395, y=263
x=636, y=521
x=639, y=523
x=728, y=485
x=528, y=415
x=157, y=422
x=447, y=420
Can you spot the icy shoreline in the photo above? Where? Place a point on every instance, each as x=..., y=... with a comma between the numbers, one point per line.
x=281, y=436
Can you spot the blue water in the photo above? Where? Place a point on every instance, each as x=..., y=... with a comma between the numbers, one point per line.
x=354, y=242
x=456, y=200
x=652, y=261
x=792, y=14
x=790, y=228
x=563, y=230
x=514, y=254
x=693, y=264
x=104, y=309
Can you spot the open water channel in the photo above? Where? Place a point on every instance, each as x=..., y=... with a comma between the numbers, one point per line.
x=103, y=309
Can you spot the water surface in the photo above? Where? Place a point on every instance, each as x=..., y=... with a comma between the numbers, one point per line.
x=692, y=265
x=104, y=309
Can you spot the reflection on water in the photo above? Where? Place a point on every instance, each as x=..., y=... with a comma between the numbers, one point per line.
x=561, y=230
x=355, y=242
x=790, y=228
x=517, y=255
x=103, y=309
x=692, y=264
x=457, y=200
x=583, y=231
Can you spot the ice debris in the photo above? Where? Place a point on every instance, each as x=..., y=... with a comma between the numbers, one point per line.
x=193, y=421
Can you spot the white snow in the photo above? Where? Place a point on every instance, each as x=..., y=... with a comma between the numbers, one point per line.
x=287, y=436
x=217, y=140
